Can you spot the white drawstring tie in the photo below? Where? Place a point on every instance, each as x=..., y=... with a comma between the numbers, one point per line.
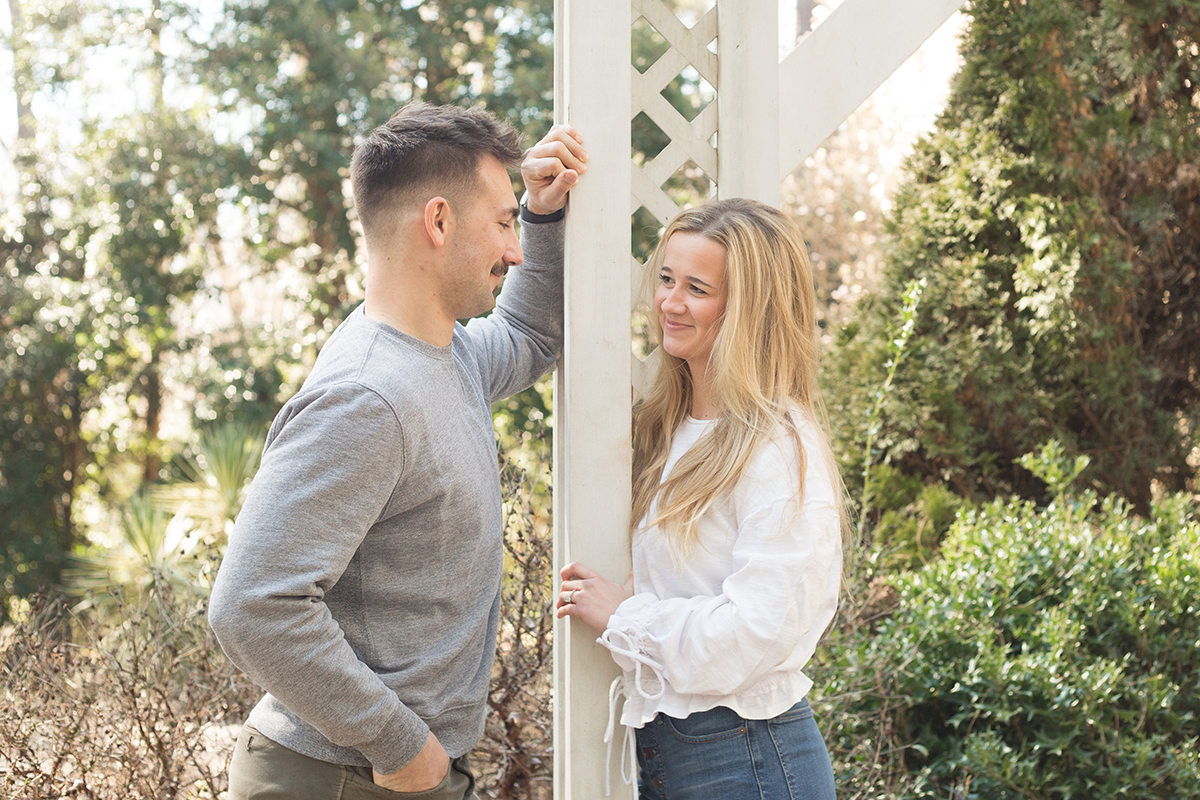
x=627, y=649
x=616, y=692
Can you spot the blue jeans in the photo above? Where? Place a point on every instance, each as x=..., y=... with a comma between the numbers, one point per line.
x=718, y=755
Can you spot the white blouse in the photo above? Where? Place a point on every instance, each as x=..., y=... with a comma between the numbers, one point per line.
x=734, y=623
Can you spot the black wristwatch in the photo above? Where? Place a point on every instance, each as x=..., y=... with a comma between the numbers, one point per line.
x=529, y=216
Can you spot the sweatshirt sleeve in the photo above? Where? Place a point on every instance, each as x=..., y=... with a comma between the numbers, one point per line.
x=779, y=597
x=522, y=339
x=330, y=466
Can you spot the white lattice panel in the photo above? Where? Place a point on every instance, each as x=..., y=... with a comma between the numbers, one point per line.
x=690, y=141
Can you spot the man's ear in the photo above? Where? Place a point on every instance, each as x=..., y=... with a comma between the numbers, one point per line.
x=438, y=220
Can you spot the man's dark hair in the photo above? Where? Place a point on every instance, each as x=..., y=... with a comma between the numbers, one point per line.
x=437, y=148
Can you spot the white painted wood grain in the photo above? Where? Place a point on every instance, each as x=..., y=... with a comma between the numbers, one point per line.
x=846, y=58
x=592, y=397
x=748, y=100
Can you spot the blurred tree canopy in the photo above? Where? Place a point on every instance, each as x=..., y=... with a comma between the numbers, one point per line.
x=311, y=76
x=165, y=214
x=1054, y=213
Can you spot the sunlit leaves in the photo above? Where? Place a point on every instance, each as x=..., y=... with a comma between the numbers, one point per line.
x=1055, y=213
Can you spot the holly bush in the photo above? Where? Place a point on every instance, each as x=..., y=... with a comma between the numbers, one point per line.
x=1048, y=653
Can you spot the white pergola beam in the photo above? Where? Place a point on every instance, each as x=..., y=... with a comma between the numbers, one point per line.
x=592, y=458
x=842, y=62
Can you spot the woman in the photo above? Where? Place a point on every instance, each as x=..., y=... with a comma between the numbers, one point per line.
x=738, y=521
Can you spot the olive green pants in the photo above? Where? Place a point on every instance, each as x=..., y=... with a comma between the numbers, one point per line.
x=263, y=770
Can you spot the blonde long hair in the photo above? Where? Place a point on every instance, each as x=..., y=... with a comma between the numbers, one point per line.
x=763, y=366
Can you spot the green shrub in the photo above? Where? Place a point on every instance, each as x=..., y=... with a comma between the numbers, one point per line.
x=916, y=518
x=1054, y=214
x=1049, y=653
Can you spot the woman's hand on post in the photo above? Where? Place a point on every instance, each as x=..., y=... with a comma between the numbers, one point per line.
x=589, y=597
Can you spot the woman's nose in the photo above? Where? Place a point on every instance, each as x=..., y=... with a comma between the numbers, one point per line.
x=674, y=300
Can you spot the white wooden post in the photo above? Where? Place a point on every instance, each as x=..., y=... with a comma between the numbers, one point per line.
x=748, y=100
x=592, y=493
x=767, y=119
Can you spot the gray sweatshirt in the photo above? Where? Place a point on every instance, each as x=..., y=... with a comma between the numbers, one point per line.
x=361, y=584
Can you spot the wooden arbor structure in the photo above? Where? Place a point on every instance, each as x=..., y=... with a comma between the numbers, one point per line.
x=767, y=117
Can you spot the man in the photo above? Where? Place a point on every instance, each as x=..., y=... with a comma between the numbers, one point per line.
x=361, y=585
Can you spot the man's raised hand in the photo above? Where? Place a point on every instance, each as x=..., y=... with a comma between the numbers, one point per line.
x=551, y=167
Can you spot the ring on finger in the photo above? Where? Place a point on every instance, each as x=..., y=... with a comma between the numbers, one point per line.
x=571, y=597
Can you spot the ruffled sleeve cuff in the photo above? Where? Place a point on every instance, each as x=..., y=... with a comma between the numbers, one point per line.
x=626, y=638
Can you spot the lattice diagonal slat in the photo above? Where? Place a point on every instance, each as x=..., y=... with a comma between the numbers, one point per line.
x=692, y=42
x=660, y=73
x=647, y=193
x=643, y=372
x=637, y=282
x=665, y=164
x=688, y=46
x=691, y=136
x=688, y=140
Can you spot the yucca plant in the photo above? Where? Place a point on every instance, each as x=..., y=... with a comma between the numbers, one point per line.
x=174, y=532
x=216, y=474
x=156, y=545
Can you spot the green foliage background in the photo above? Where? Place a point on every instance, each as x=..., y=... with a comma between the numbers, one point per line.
x=224, y=177
x=1054, y=213
x=1012, y=636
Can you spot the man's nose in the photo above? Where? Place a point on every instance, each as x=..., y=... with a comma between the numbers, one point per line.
x=513, y=255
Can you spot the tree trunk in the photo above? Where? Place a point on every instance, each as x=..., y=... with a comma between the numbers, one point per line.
x=152, y=384
x=153, y=392
x=24, y=113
